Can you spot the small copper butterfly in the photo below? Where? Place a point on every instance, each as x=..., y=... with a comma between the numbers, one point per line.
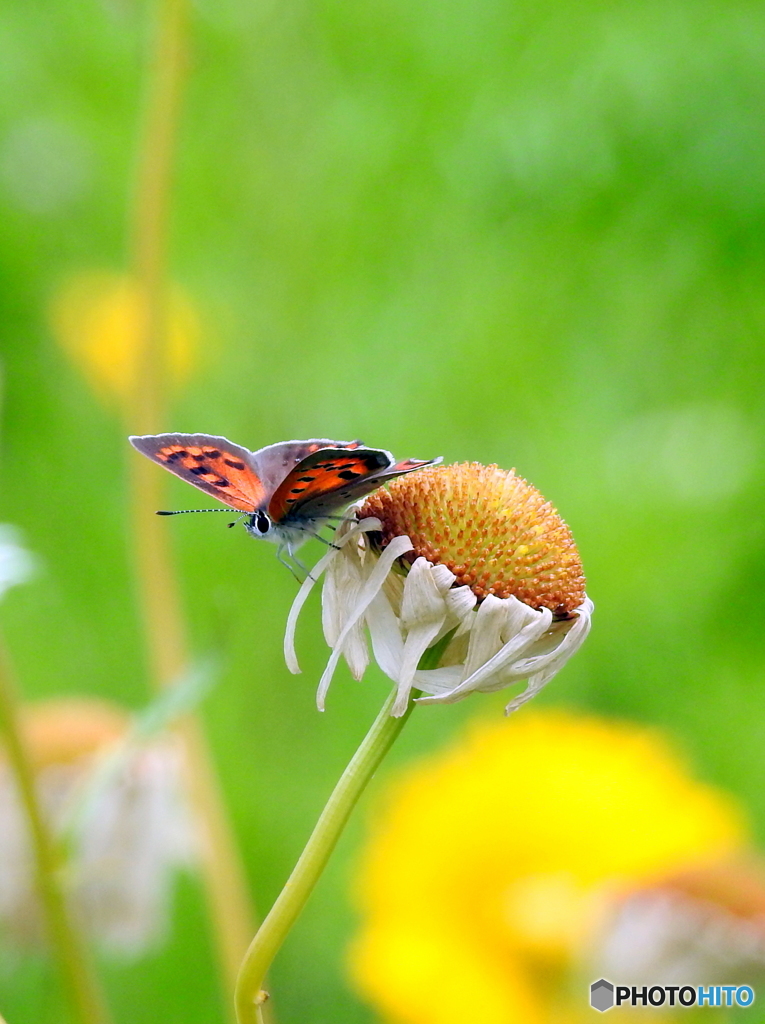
x=286, y=491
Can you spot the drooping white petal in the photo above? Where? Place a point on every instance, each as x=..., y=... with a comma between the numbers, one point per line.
x=553, y=660
x=343, y=579
x=506, y=656
x=388, y=649
x=423, y=613
x=397, y=547
x=442, y=577
x=518, y=616
x=540, y=669
x=485, y=634
x=423, y=600
x=438, y=680
x=385, y=633
x=308, y=584
x=460, y=602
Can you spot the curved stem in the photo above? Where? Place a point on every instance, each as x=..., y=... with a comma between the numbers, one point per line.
x=294, y=895
x=70, y=950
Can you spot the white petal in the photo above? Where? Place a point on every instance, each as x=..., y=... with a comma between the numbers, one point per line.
x=384, y=629
x=442, y=577
x=301, y=597
x=397, y=547
x=342, y=583
x=534, y=686
x=417, y=642
x=518, y=616
x=365, y=526
x=460, y=602
x=485, y=635
x=356, y=651
x=553, y=660
x=423, y=614
x=422, y=602
x=438, y=680
x=506, y=656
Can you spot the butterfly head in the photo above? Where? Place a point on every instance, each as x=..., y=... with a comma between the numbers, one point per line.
x=259, y=524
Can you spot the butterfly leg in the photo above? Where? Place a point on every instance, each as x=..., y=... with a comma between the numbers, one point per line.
x=285, y=563
x=324, y=540
x=339, y=519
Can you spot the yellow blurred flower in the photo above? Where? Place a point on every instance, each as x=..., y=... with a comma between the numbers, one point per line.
x=97, y=318
x=495, y=866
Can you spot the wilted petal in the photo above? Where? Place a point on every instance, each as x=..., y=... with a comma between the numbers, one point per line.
x=310, y=581
x=509, y=653
x=555, y=648
x=397, y=547
x=485, y=635
x=460, y=601
x=385, y=633
x=343, y=582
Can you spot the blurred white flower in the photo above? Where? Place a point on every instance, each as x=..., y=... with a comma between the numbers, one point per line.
x=702, y=923
x=16, y=563
x=471, y=556
x=119, y=809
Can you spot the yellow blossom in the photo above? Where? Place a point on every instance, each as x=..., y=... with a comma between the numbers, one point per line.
x=97, y=318
x=493, y=865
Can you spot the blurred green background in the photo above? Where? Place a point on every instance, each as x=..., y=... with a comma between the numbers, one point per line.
x=530, y=233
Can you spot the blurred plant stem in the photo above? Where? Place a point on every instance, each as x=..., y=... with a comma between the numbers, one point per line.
x=69, y=948
x=226, y=889
x=250, y=997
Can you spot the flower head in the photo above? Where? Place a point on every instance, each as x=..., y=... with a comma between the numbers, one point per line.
x=467, y=556
x=124, y=817
x=534, y=839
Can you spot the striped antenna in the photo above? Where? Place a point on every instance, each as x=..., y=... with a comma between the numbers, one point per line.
x=185, y=511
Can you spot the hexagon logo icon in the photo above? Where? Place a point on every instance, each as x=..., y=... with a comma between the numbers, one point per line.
x=601, y=995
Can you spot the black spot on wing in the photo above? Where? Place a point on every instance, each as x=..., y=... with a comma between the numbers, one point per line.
x=235, y=464
x=348, y=474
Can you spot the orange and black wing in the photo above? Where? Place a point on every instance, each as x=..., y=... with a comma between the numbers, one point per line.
x=328, y=479
x=213, y=464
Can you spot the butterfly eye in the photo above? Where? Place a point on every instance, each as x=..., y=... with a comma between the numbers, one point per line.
x=262, y=522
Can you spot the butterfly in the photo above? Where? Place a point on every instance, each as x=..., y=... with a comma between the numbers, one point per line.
x=286, y=491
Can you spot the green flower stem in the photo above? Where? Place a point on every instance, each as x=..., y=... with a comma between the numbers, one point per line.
x=70, y=951
x=313, y=860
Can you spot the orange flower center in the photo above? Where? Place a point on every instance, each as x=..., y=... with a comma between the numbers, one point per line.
x=491, y=528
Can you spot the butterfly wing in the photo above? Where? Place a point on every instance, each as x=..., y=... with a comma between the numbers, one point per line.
x=326, y=480
x=276, y=461
x=215, y=465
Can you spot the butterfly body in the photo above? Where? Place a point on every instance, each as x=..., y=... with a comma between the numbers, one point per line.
x=288, y=490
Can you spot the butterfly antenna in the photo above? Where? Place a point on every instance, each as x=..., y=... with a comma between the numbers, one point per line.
x=186, y=511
